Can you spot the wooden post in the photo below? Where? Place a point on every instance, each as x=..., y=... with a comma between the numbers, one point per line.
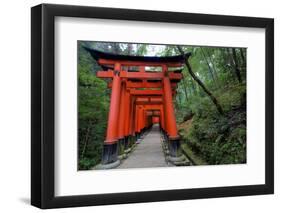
x=170, y=118
x=121, y=118
x=127, y=118
x=110, y=144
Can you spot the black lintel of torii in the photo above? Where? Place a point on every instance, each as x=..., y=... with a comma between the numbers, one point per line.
x=96, y=54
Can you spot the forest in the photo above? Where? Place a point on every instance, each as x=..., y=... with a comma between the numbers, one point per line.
x=210, y=101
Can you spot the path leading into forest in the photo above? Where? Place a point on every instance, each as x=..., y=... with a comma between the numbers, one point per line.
x=148, y=152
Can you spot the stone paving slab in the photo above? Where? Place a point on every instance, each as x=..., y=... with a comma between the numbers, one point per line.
x=148, y=152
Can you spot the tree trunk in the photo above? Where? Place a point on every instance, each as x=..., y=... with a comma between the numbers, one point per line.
x=233, y=64
x=178, y=99
x=200, y=83
x=242, y=56
x=213, y=65
x=86, y=142
x=237, y=70
x=194, y=88
x=185, y=88
x=185, y=92
x=207, y=62
x=191, y=88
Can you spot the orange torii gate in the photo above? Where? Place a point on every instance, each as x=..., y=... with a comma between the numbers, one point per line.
x=142, y=94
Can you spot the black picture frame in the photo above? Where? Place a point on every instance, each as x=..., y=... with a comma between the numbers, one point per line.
x=43, y=102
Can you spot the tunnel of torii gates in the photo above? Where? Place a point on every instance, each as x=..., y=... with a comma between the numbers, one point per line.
x=142, y=90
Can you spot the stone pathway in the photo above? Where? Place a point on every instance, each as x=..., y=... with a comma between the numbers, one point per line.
x=148, y=152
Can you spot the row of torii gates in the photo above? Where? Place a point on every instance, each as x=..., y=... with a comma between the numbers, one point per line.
x=142, y=94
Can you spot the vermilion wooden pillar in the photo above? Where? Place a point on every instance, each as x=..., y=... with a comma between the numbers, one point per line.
x=147, y=119
x=127, y=118
x=170, y=119
x=110, y=144
x=132, y=117
x=138, y=121
x=142, y=120
x=162, y=118
x=121, y=118
x=169, y=109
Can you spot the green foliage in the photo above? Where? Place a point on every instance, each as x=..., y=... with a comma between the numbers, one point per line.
x=87, y=163
x=93, y=110
x=219, y=139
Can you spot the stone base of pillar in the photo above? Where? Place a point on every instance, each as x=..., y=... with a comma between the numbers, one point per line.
x=179, y=161
x=172, y=150
x=110, y=153
x=176, y=159
x=133, y=139
x=137, y=136
x=174, y=147
x=143, y=133
x=108, y=166
x=126, y=142
x=121, y=148
x=176, y=156
x=133, y=142
x=165, y=136
x=129, y=140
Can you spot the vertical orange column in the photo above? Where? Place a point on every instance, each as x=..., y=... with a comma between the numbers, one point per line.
x=130, y=122
x=112, y=128
x=138, y=118
x=136, y=121
x=141, y=119
x=169, y=108
x=132, y=116
x=146, y=118
x=162, y=118
x=110, y=144
x=127, y=113
x=142, y=114
x=170, y=119
x=121, y=118
x=121, y=121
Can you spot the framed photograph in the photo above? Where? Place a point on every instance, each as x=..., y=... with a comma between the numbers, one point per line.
x=139, y=106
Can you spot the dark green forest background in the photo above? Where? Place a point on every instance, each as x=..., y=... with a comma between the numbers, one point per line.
x=210, y=103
